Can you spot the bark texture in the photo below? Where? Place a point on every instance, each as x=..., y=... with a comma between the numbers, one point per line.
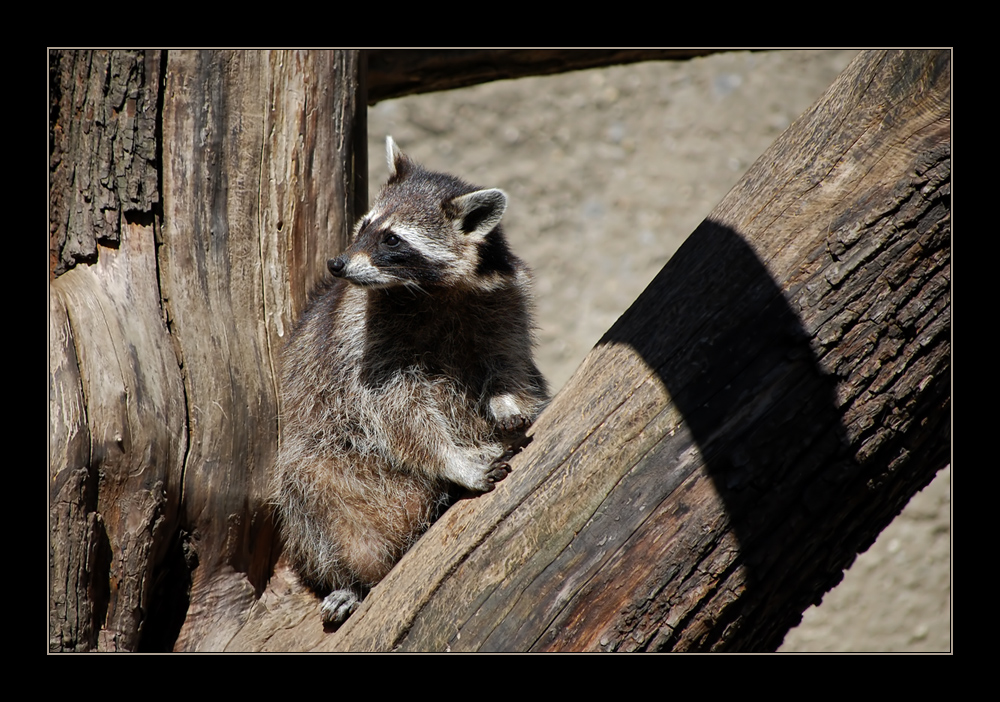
x=117, y=425
x=102, y=148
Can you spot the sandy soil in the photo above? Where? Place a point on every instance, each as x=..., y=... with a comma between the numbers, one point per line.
x=608, y=171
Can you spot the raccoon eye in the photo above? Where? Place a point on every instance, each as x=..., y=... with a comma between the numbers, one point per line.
x=391, y=241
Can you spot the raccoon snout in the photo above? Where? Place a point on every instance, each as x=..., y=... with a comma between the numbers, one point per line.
x=337, y=265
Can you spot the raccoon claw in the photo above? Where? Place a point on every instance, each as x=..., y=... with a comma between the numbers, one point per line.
x=514, y=424
x=338, y=606
x=498, y=470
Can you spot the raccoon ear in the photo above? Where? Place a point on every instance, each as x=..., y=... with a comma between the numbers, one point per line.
x=478, y=213
x=399, y=164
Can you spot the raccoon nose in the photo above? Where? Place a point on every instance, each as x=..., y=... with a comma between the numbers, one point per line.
x=336, y=266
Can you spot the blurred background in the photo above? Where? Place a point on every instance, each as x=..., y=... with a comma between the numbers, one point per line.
x=608, y=171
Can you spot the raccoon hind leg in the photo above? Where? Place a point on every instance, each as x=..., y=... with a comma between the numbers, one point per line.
x=373, y=525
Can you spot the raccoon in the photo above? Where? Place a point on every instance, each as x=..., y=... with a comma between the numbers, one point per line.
x=409, y=378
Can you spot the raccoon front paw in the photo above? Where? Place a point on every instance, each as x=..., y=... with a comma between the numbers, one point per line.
x=338, y=606
x=508, y=415
x=483, y=478
x=514, y=424
x=497, y=471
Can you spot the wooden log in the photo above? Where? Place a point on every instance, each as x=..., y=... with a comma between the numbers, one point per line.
x=754, y=420
x=255, y=198
x=117, y=426
x=393, y=73
x=117, y=442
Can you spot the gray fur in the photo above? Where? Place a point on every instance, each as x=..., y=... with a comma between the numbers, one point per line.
x=412, y=374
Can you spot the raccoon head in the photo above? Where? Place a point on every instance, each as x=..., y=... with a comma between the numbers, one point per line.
x=428, y=229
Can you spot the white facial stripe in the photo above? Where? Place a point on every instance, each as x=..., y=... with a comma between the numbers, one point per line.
x=359, y=270
x=434, y=251
x=370, y=217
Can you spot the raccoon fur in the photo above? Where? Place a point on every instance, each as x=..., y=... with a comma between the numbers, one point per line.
x=410, y=375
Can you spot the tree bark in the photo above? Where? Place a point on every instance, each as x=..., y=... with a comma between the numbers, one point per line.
x=755, y=419
x=117, y=426
x=102, y=149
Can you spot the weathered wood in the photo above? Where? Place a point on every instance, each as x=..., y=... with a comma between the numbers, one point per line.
x=163, y=415
x=102, y=139
x=117, y=430
x=393, y=73
x=255, y=199
x=117, y=441
x=753, y=421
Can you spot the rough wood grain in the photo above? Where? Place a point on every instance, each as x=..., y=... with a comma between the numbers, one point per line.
x=117, y=440
x=255, y=200
x=102, y=148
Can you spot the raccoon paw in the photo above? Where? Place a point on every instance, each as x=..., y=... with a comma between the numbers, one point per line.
x=486, y=477
x=497, y=471
x=338, y=606
x=474, y=471
x=508, y=415
x=513, y=424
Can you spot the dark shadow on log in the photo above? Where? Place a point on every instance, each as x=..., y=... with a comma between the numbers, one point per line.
x=780, y=468
x=800, y=398
x=170, y=597
x=762, y=411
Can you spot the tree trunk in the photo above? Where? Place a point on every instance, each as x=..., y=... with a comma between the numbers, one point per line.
x=754, y=420
x=163, y=409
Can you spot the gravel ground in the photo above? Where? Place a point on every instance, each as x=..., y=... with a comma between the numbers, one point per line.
x=608, y=171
